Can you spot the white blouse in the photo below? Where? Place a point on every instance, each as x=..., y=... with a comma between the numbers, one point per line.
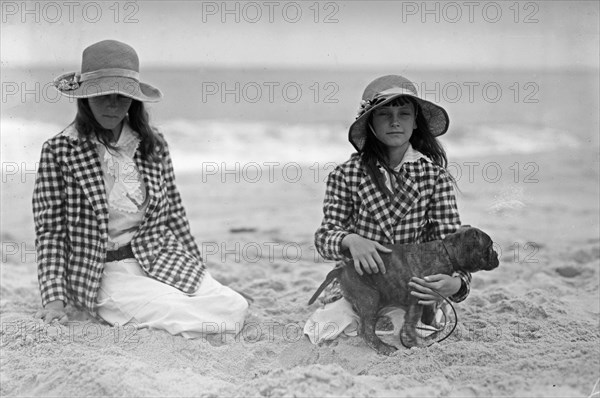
x=125, y=188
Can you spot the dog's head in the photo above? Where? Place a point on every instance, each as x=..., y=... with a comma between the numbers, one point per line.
x=473, y=249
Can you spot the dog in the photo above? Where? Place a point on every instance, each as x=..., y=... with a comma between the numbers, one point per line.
x=468, y=249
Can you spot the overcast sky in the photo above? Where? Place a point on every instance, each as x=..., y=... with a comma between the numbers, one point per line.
x=333, y=34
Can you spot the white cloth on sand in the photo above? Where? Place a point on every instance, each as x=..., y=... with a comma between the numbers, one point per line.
x=338, y=317
x=127, y=294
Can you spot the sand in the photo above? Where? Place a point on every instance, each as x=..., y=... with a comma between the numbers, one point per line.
x=529, y=328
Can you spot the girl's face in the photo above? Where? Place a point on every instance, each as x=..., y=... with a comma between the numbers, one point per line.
x=110, y=110
x=394, y=125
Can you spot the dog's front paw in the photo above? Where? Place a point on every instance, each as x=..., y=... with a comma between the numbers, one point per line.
x=408, y=337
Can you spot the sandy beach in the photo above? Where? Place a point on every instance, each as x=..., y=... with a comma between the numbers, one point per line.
x=528, y=328
x=257, y=101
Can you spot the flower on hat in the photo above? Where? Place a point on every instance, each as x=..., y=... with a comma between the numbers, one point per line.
x=66, y=85
x=363, y=107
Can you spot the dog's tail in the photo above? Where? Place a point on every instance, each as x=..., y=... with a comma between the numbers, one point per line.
x=334, y=273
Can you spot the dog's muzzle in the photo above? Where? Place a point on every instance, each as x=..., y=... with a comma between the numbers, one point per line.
x=493, y=258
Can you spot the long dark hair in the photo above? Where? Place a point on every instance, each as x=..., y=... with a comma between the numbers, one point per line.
x=151, y=145
x=375, y=152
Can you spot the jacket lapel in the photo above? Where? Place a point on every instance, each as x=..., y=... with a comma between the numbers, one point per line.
x=388, y=213
x=377, y=204
x=85, y=163
x=151, y=174
x=406, y=192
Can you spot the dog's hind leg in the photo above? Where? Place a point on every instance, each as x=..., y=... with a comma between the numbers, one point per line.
x=365, y=301
x=367, y=310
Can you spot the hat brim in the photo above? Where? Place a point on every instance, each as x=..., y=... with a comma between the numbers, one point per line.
x=436, y=117
x=125, y=86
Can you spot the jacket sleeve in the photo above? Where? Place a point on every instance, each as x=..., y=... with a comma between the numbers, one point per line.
x=442, y=212
x=444, y=219
x=50, y=230
x=337, y=217
x=178, y=222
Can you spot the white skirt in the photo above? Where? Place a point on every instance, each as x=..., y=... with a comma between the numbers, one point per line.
x=127, y=295
x=338, y=317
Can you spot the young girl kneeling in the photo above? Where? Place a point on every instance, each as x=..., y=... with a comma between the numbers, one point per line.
x=395, y=189
x=112, y=235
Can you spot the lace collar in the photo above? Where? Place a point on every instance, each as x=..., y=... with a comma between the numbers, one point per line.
x=127, y=194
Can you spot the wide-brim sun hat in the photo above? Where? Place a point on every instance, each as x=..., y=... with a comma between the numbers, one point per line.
x=384, y=90
x=107, y=67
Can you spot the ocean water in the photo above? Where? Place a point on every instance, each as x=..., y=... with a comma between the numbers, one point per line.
x=224, y=116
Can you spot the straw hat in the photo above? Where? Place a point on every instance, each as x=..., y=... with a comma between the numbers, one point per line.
x=107, y=67
x=384, y=90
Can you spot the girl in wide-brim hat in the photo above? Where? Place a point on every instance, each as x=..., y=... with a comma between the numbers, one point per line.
x=395, y=189
x=112, y=236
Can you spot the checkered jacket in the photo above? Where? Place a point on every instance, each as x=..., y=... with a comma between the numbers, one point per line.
x=423, y=209
x=71, y=224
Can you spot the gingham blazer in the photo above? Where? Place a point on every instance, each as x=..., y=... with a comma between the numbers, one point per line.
x=71, y=223
x=423, y=208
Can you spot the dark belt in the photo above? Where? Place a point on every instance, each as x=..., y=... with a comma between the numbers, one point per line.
x=120, y=254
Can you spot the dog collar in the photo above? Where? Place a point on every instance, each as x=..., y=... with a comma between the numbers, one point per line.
x=453, y=262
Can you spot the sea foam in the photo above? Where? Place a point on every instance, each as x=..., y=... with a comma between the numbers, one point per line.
x=194, y=143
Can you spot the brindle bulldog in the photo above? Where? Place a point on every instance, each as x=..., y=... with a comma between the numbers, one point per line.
x=468, y=249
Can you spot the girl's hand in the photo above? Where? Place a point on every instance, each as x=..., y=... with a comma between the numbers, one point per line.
x=54, y=310
x=364, y=253
x=424, y=289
